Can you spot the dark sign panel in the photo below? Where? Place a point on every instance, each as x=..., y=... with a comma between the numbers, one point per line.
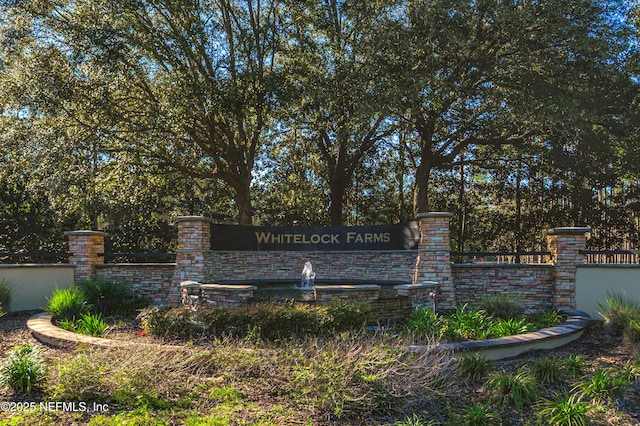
x=322, y=238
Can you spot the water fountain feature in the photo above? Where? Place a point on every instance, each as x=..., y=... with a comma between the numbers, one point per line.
x=308, y=276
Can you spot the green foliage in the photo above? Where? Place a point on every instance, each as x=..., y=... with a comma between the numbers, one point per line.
x=632, y=331
x=468, y=323
x=168, y=323
x=478, y=415
x=7, y=288
x=426, y=324
x=501, y=306
x=109, y=297
x=269, y=321
x=2, y=312
x=474, y=367
x=564, y=410
x=24, y=369
x=91, y=324
x=519, y=389
x=575, y=365
x=618, y=311
x=67, y=303
x=509, y=327
x=549, y=370
x=545, y=319
x=604, y=386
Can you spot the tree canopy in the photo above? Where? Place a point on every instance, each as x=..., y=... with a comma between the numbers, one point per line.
x=516, y=115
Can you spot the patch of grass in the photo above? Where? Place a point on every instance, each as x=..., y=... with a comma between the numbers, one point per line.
x=509, y=327
x=2, y=312
x=7, y=288
x=423, y=323
x=91, y=324
x=519, y=389
x=67, y=304
x=618, y=312
x=604, y=386
x=24, y=369
x=564, y=410
x=549, y=370
x=575, y=365
x=468, y=323
x=545, y=319
x=478, y=415
x=473, y=367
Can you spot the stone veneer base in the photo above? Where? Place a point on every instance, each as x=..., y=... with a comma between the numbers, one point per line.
x=494, y=349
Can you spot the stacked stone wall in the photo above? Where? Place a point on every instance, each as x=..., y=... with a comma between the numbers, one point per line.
x=284, y=265
x=154, y=281
x=531, y=285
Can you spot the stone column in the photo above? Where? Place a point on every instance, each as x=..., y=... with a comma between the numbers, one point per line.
x=565, y=245
x=433, y=262
x=87, y=250
x=192, y=255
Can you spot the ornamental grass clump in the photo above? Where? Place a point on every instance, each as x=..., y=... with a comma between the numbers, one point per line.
x=549, y=370
x=7, y=288
x=68, y=303
x=109, y=297
x=24, y=369
x=474, y=367
x=619, y=312
x=519, y=389
x=501, y=306
x=425, y=324
x=564, y=410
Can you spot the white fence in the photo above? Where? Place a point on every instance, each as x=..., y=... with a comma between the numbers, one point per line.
x=593, y=282
x=34, y=283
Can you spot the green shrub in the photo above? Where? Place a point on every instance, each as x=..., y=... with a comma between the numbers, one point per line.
x=501, y=306
x=548, y=369
x=474, y=367
x=23, y=370
x=110, y=297
x=2, y=312
x=466, y=324
x=339, y=316
x=176, y=323
x=509, y=327
x=426, y=324
x=67, y=303
x=519, y=389
x=7, y=288
x=618, y=311
x=564, y=410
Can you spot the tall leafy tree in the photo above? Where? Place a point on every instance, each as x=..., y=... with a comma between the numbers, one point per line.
x=184, y=85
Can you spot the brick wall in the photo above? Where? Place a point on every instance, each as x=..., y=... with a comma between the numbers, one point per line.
x=150, y=280
x=531, y=284
x=284, y=265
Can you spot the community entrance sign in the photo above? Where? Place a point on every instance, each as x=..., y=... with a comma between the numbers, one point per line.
x=322, y=238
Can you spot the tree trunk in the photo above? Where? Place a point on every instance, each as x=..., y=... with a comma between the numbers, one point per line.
x=337, y=186
x=242, y=199
x=421, y=189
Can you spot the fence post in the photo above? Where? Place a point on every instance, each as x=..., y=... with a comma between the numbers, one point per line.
x=87, y=250
x=433, y=262
x=565, y=245
x=192, y=254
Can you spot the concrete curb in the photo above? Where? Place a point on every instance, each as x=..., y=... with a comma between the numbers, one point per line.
x=512, y=346
x=43, y=330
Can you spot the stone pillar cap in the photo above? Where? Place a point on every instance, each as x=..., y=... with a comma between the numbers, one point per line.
x=433, y=214
x=569, y=230
x=85, y=232
x=192, y=219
